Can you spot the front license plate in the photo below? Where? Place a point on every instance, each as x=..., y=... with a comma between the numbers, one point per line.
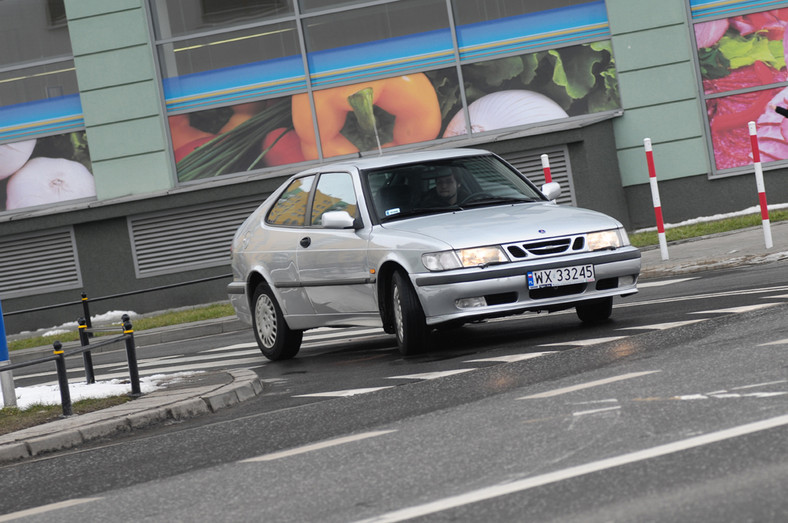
x=562, y=276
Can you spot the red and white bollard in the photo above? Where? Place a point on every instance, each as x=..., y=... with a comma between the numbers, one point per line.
x=546, y=168
x=652, y=178
x=756, y=157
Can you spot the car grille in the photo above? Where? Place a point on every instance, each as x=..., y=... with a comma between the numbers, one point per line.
x=549, y=247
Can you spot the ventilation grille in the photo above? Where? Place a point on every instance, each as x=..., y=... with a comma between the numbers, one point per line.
x=191, y=238
x=38, y=263
x=530, y=164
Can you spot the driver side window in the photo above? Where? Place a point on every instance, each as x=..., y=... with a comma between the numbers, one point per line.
x=334, y=192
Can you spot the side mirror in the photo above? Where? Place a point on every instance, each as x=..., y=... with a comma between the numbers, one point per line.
x=551, y=190
x=338, y=220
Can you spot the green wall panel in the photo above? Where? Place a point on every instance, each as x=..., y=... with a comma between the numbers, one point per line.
x=651, y=48
x=665, y=122
x=84, y=8
x=672, y=160
x=675, y=81
x=129, y=65
x=124, y=102
x=635, y=15
x=131, y=175
x=108, y=32
x=127, y=138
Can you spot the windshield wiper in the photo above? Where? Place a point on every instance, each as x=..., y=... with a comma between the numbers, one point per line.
x=496, y=199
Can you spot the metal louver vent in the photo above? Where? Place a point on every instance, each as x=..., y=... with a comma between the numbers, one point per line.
x=38, y=263
x=530, y=164
x=191, y=238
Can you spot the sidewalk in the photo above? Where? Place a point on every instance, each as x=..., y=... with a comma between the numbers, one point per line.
x=210, y=392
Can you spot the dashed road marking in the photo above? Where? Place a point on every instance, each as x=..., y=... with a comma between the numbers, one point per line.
x=430, y=375
x=317, y=446
x=737, y=310
x=511, y=358
x=590, y=384
x=584, y=343
x=341, y=393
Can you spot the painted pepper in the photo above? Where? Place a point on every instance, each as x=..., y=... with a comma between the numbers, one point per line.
x=411, y=99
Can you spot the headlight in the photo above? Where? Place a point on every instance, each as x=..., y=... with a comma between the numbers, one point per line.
x=479, y=256
x=612, y=239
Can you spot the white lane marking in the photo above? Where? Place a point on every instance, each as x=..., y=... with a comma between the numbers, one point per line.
x=590, y=384
x=756, y=385
x=317, y=446
x=730, y=395
x=780, y=296
x=430, y=375
x=46, y=508
x=233, y=347
x=745, y=292
x=341, y=393
x=504, y=489
x=583, y=343
x=778, y=342
x=737, y=310
x=225, y=357
x=512, y=357
x=595, y=411
x=662, y=326
x=646, y=285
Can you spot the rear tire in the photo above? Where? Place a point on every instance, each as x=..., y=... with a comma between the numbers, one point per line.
x=410, y=327
x=276, y=340
x=595, y=311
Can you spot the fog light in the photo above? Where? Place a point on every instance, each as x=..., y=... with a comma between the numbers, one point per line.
x=471, y=303
x=624, y=281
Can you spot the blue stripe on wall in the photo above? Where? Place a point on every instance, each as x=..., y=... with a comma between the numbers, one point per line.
x=705, y=9
x=50, y=116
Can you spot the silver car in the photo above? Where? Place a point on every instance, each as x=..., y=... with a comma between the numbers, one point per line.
x=411, y=242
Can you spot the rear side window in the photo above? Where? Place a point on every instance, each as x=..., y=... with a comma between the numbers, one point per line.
x=290, y=208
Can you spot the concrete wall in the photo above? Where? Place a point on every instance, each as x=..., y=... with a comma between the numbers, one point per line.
x=121, y=97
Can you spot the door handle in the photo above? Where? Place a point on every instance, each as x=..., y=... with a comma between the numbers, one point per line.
x=306, y=241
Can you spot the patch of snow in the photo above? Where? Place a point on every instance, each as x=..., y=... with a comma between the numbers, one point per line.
x=715, y=217
x=50, y=394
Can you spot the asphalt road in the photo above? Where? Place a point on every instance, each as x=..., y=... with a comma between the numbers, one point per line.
x=675, y=410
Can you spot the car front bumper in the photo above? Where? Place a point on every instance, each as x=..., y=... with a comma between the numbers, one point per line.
x=455, y=295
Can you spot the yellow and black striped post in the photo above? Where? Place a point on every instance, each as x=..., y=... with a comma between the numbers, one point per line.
x=87, y=357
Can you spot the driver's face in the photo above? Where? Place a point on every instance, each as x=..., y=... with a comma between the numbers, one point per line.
x=446, y=187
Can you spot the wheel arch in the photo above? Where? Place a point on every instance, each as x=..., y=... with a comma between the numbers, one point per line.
x=385, y=273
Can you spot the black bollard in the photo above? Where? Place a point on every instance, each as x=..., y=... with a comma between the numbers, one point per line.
x=131, y=356
x=62, y=379
x=87, y=358
x=86, y=312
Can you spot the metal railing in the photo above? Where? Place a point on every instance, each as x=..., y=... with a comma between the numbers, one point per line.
x=59, y=357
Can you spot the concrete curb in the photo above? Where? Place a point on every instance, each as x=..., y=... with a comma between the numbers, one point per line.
x=154, y=408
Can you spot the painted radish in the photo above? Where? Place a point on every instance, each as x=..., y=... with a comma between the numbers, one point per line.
x=13, y=156
x=48, y=180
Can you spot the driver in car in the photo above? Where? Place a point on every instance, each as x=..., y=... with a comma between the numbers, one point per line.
x=447, y=191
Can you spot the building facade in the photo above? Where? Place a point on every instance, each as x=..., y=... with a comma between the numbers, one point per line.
x=136, y=135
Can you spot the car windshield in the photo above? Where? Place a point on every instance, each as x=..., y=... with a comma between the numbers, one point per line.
x=445, y=185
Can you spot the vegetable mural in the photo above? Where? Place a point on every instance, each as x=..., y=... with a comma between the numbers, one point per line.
x=407, y=109
x=45, y=171
x=739, y=53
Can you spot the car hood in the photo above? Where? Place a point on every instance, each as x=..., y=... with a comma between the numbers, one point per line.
x=504, y=224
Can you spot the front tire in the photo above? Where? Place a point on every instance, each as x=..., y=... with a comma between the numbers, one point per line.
x=410, y=327
x=595, y=311
x=276, y=340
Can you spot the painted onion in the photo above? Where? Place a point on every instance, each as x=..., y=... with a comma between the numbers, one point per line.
x=773, y=130
x=48, y=180
x=505, y=109
x=13, y=156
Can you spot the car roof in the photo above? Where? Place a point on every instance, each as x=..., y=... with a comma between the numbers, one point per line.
x=376, y=162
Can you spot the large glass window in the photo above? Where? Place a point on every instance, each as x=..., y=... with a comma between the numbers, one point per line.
x=37, y=77
x=473, y=11
x=744, y=77
x=182, y=17
x=382, y=73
